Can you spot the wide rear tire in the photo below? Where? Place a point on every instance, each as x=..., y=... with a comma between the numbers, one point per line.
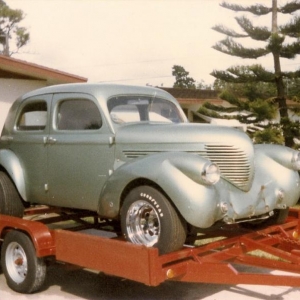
x=10, y=200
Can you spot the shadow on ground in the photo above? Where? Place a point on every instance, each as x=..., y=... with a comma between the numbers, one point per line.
x=89, y=285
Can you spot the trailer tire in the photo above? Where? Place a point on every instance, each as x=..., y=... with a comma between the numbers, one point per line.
x=10, y=200
x=148, y=218
x=23, y=270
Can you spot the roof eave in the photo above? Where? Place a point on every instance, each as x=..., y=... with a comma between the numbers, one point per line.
x=37, y=72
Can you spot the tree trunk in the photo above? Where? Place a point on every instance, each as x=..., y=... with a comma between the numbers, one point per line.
x=6, y=46
x=281, y=98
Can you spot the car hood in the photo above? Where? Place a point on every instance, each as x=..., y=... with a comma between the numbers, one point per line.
x=230, y=148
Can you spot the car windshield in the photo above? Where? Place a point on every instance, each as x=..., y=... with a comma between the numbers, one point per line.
x=125, y=109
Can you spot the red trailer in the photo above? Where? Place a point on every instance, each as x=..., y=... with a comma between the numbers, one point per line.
x=220, y=256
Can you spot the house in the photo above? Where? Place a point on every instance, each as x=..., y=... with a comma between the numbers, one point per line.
x=191, y=99
x=18, y=77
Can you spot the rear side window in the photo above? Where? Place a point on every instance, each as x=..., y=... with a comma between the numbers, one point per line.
x=78, y=114
x=33, y=116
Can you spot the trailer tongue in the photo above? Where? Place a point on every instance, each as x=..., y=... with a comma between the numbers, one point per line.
x=237, y=257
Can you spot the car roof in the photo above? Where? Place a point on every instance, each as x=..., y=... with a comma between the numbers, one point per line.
x=99, y=90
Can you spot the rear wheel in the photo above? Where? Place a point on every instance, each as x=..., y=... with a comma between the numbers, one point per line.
x=24, y=272
x=10, y=200
x=148, y=218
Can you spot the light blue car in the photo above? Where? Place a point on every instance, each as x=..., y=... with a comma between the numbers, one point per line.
x=129, y=154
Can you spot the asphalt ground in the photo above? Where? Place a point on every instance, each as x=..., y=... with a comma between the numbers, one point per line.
x=64, y=283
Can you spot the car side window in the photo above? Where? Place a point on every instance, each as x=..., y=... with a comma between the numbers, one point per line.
x=33, y=116
x=78, y=114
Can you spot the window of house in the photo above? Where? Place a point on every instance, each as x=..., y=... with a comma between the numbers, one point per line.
x=33, y=116
x=78, y=114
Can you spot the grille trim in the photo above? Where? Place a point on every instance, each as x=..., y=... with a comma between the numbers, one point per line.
x=233, y=162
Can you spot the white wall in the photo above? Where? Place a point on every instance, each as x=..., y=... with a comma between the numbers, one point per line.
x=11, y=89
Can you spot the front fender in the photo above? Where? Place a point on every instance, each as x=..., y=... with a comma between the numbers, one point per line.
x=10, y=162
x=281, y=154
x=178, y=174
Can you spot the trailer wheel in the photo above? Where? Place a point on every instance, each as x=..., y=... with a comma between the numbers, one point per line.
x=10, y=200
x=24, y=272
x=148, y=218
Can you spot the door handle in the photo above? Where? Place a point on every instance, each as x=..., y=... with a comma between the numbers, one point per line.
x=49, y=140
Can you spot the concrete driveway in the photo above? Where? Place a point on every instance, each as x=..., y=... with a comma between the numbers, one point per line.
x=65, y=283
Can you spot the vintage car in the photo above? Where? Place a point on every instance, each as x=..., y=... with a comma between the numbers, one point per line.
x=129, y=154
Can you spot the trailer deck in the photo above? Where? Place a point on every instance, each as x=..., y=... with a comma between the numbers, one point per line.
x=229, y=255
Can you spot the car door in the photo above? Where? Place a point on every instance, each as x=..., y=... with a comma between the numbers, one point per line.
x=29, y=144
x=80, y=151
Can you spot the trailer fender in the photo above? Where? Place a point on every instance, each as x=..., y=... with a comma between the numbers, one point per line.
x=10, y=162
x=39, y=233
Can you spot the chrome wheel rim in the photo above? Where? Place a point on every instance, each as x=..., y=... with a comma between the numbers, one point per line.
x=143, y=223
x=16, y=262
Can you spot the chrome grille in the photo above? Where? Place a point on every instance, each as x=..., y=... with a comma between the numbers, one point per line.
x=233, y=162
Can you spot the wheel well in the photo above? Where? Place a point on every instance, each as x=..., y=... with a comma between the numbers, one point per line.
x=145, y=181
x=6, y=230
x=136, y=183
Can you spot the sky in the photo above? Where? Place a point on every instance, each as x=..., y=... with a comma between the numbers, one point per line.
x=134, y=42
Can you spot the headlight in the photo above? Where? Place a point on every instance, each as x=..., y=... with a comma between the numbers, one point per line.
x=210, y=173
x=296, y=160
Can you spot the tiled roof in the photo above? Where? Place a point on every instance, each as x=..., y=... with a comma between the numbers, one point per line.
x=192, y=93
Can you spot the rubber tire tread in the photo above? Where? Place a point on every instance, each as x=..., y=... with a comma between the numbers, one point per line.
x=36, y=272
x=10, y=200
x=173, y=227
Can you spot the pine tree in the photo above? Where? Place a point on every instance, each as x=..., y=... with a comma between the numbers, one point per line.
x=279, y=41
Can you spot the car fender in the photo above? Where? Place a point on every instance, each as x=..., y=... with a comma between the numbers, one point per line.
x=284, y=175
x=281, y=154
x=178, y=174
x=11, y=164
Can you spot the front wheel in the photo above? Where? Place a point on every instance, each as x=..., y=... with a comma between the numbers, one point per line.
x=24, y=272
x=148, y=218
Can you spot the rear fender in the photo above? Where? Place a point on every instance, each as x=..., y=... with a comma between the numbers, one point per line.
x=10, y=162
